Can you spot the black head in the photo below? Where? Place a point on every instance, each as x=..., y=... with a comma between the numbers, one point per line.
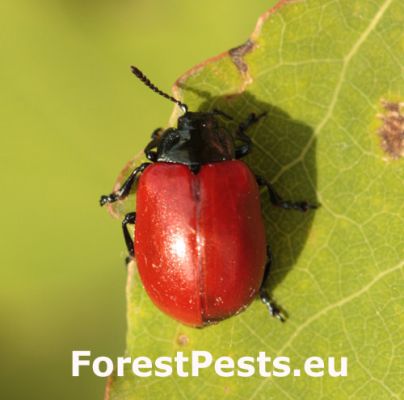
x=198, y=138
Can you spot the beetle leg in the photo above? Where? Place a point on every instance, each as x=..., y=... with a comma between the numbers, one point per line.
x=244, y=149
x=273, y=309
x=125, y=188
x=156, y=133
x=155, y=136
x=278, y=201
x=130, y=218
x=223, y=114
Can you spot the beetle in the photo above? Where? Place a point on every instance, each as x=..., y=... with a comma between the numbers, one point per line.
x=199, y=239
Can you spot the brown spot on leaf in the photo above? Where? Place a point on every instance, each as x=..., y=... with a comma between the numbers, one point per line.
x=182, y=340
x=392, y=129
x=237, y=56
x=239, y=52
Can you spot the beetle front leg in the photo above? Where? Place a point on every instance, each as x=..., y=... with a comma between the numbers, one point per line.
x=273, y=309
x=125, y=188
x=278, y=201
x=148, y=151
x=242, y=136
x=130, y=218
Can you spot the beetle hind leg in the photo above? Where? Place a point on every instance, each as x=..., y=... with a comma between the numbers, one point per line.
x=273, y=309
x=130, y=218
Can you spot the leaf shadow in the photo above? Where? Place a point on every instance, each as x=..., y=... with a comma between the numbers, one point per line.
x=284, y=153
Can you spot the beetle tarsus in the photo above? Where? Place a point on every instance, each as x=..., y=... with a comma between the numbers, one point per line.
x=278, y=201
x=108, y=199
x=128, y=260
x=273, y=309
x=125, y=188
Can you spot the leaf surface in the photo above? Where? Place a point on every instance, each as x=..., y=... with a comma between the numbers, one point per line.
x=329, y=75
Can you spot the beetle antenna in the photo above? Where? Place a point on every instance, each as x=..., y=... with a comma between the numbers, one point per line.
x=139, y=74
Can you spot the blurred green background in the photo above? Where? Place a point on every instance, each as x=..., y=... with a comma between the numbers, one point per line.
x=71, y=116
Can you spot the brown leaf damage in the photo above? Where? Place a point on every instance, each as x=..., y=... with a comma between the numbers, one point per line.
x=237, y=56
x=392, y=129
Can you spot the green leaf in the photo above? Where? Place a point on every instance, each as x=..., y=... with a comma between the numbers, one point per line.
x=329, y=74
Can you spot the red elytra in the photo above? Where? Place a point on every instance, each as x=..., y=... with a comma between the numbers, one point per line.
x=200, y=240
